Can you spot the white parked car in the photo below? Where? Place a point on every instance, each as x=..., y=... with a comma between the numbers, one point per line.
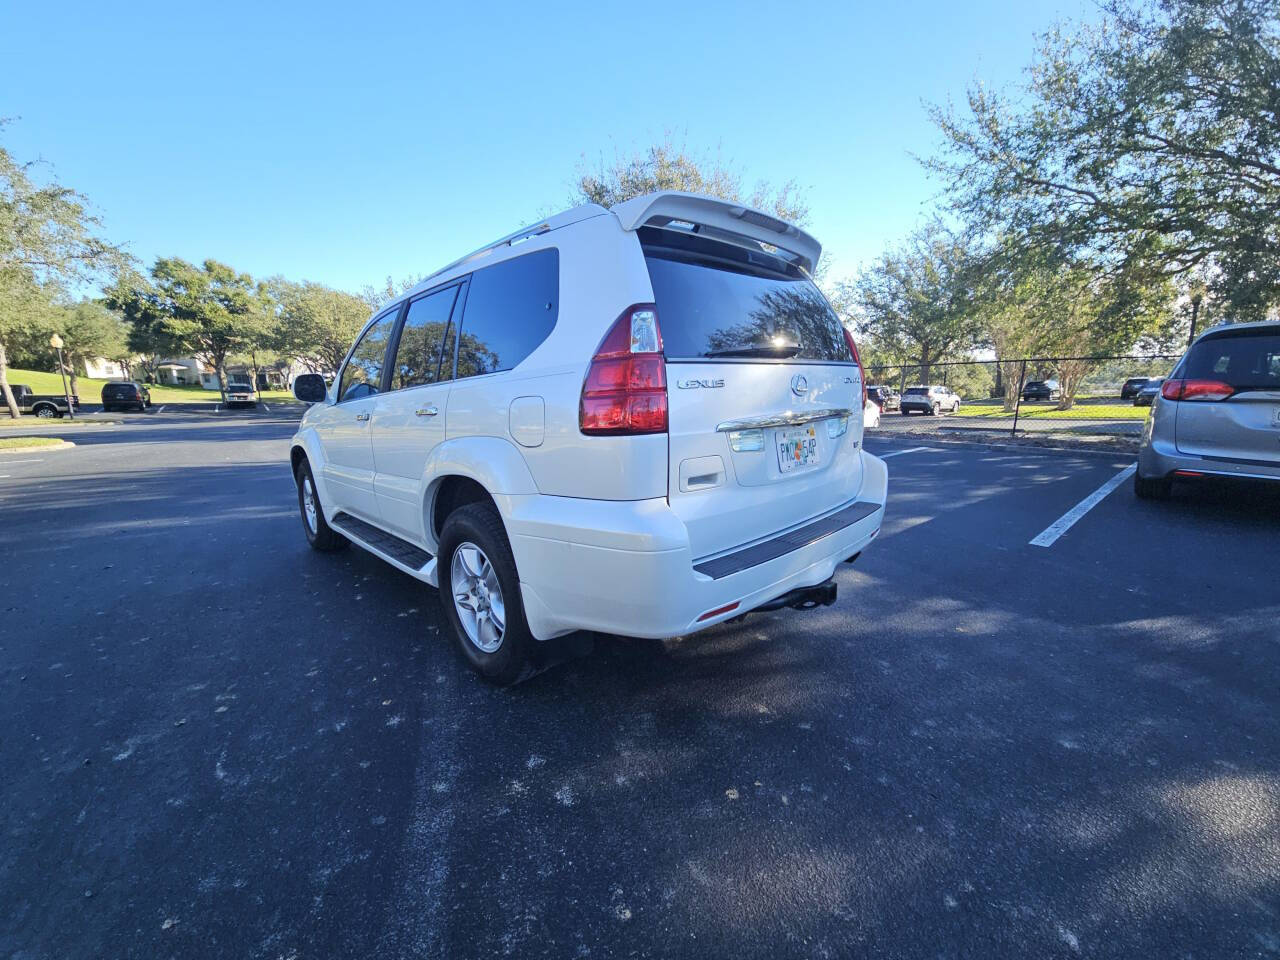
x=641, y=420
x=241, y=393
x=871, y=414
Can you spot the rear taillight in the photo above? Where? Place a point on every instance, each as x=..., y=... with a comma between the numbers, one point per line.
x=862, y=373
x=625, y=391
x=1196, y=390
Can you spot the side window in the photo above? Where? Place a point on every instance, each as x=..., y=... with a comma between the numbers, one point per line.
x=362, y=376
x=421, y=341
x=511, y=308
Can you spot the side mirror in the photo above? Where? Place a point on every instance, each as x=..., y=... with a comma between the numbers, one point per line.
x=309, y=387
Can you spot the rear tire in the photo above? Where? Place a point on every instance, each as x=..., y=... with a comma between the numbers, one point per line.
x=935, y=410
x=476, y=530
x=320, y=535
x=1152, y=488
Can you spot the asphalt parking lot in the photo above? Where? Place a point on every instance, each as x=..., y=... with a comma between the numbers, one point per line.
x=215, y=742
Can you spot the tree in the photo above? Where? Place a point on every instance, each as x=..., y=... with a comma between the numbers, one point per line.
x=48, y=240
x=147, y=338
x=1148, y=145
x=671, y=166
x=88, y=330
x=316, y=324
x=211, y=310
x=916, y=303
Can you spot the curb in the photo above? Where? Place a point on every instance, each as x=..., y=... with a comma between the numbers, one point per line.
x=1009, y=443
x=44, y=448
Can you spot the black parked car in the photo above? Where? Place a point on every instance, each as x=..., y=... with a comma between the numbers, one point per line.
x=1132, y=386
x=1042, y=390
x=884, y=397
x=125, y=395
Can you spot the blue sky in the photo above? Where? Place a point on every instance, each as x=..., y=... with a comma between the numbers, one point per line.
x=346, y=142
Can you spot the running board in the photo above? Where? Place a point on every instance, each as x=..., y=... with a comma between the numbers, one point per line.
x=781, y=545
x=379, y=541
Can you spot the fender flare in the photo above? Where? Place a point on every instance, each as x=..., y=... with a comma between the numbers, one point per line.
x=493, y=462
x=307, y=441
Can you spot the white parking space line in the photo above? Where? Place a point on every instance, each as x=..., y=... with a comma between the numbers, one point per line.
x=218, y=408
x=1065, y=522
x=898, y=453
x=266, y=408
x=9, y=463
x=162, y=406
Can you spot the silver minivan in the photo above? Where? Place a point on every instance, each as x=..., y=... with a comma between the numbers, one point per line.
x=1218, y=413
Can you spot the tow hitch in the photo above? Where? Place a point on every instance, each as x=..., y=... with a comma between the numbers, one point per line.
x=803, y=598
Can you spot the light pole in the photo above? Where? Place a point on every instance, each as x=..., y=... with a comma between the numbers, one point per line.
x=1195, y=313
x=56, y=342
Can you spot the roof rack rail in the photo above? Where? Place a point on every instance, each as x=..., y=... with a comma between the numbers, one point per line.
x=523, y=233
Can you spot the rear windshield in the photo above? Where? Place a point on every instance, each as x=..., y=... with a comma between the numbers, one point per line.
x=917, y=391
x=720, y=302
x=118, y=388
x=1245, y=359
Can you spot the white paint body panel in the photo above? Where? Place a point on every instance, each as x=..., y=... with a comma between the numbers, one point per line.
x=605, y=530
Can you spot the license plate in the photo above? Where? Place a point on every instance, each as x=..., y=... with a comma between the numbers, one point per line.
x=797, y=448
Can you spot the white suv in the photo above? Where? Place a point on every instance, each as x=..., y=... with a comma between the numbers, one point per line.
x=642, y=420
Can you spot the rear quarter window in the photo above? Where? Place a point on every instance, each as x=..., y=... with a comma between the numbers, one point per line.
x=511, y=308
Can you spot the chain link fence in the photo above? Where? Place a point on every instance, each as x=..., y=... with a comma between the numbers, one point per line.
x=1096, y=395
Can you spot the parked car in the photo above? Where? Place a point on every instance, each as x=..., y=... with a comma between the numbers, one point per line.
x=870, y=414
x=638, y=420
x=929, y=399
x=47, y=405
x=1041, y=390
x=1131, y=387
x=240, y=393
x=885, y=397
x=1218, y=413
x=1148, y=392
x=125, y=395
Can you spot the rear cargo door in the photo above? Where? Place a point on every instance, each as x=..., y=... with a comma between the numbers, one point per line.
x=1246, y=425
x=765, y=399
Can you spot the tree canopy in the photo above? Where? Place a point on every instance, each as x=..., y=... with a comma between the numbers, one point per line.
x=1148, y=144
x=917, y=302
x=672, y=166
x=49, y=241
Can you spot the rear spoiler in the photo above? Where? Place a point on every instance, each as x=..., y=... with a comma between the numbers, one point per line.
x=722, y=217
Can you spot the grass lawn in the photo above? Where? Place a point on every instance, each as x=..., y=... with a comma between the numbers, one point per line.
x=90, y=391
x=1044, y=410
x=22, y=443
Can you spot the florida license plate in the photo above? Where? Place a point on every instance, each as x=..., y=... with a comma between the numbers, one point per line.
x=797, y=448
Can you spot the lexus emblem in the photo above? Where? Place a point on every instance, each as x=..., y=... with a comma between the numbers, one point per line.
x=799, y=385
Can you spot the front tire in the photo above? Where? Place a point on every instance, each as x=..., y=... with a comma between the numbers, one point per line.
x=320, y=535
x=480, y=593
x=935, y=410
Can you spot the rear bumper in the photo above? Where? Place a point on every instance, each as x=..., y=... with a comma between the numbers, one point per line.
x=625, y=567
x=1159, y=458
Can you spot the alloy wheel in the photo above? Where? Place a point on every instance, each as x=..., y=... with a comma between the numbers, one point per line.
x=309, y=505
x=477, y=597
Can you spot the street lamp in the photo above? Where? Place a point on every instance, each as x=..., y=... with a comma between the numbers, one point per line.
x=56, y=342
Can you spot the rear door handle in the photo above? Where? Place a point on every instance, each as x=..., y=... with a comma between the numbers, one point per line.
x=362, y=416
x=428, y=411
